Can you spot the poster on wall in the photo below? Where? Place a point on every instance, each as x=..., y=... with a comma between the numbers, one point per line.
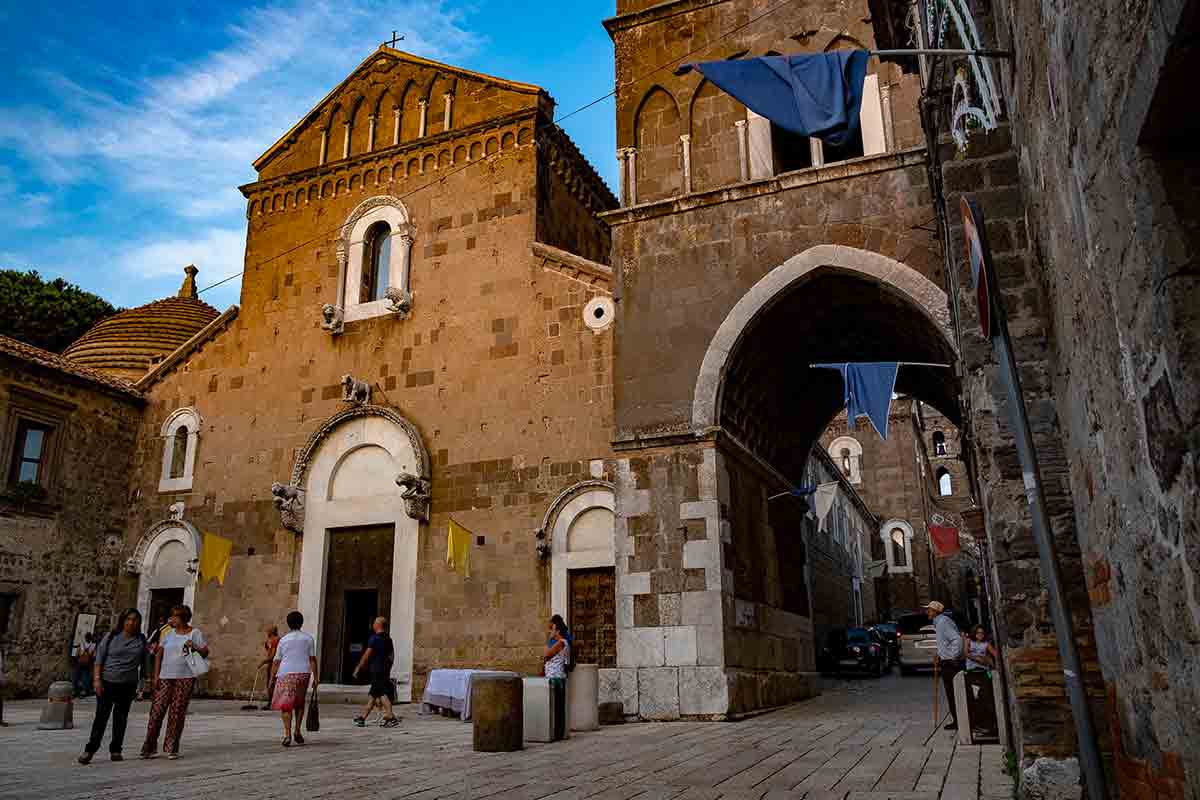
x=84, y=624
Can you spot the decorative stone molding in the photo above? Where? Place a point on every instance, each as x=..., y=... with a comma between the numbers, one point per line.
x=355, y=391
x=399, y=301
x=332, y=319
x=564, y=497
x=416, y=495
x=136, y=563
x=360, y=211
x=319, y=435
x=289, y=501
x=175, y=511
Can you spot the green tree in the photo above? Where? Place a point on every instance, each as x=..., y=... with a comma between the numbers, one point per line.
x=47, y=314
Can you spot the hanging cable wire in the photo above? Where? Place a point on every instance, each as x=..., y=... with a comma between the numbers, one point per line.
x=322, y=235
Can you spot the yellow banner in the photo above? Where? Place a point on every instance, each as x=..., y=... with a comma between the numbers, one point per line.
x=214, y=557
x=458, y=549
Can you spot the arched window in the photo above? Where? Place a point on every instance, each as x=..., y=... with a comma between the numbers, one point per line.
x=945, y=484
x=846, y=461
x=846, y=453
x=378, y=255
x=179, y=453
x=181, y=434
x=899, y=547
x=939, y=443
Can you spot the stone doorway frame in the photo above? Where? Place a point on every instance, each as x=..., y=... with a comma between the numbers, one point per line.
x=326, y=450
x=141, y=563
x=564, y=510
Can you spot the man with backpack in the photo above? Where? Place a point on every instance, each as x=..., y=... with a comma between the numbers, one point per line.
x=378, y=658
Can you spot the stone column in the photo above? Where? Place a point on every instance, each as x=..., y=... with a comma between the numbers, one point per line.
x=396, y=125
x=622, y=176
x=743, y=150
x=423, y=107
x=449, y=98
x=631, y=153
x=889, y=124
x=371, y=132
x=758, y=135
x=346, y=142
x=816, y=152
x=324, y=147
x=398, y=275
x=685, y=141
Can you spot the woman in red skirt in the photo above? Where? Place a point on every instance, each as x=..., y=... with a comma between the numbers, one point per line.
x=295, y=660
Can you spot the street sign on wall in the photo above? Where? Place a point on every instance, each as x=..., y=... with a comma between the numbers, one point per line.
x=980, y=256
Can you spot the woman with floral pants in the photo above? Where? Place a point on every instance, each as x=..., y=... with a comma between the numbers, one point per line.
x=173, y=682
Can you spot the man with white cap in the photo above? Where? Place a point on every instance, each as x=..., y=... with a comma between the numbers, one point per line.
x=949, y=653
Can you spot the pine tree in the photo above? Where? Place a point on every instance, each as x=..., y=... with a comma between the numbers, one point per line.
x=47, y=314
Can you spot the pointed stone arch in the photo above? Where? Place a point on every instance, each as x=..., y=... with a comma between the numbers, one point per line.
x=923, y=294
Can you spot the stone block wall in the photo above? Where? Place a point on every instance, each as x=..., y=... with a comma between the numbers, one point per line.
x=60, y=557
x=1104, y=149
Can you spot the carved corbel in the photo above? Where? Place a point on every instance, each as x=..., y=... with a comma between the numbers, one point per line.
x=399, y=301
x=415, y=495
x=355, y=391
x=289, y=501
x=332, y=319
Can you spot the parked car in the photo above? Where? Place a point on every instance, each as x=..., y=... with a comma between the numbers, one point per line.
x=853, y=650
x=918, y=642
x=890, y=633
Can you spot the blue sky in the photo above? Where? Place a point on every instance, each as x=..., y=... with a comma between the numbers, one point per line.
x=124, y=136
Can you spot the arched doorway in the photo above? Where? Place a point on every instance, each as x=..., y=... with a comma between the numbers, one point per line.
x=580, y=524
x=165, y=562
x=359, y=555
x=766, y=407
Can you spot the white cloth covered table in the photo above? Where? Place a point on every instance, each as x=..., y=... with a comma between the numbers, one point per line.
x=451, y=688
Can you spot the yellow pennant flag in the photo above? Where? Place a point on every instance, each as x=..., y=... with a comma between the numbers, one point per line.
x=458, y=549
x=214, y=557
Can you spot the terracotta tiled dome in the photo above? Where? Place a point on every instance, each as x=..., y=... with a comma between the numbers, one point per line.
x=130, y=343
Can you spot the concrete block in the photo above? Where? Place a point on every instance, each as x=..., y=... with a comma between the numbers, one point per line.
x=583, y=698
x=710, y=645
x=538, y=710
x=701, y=554
x=703, y=690
x=680, y=646
x=497, y=712
x=658, y=693
x=640, y=647
x=634, y=583
x=700, y=608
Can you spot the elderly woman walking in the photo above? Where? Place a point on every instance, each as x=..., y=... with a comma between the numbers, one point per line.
x=173, y=682
x=295, y=660
x=119, y=660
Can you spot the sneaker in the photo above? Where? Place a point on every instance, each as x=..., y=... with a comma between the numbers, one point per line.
x=360, y=722
x=144, y=754
x=116, y=757
x=390, y=723
x=172, y=756
x=85, y=757
x=297, y=738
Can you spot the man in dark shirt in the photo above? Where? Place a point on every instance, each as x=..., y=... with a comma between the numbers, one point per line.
x=377, y=658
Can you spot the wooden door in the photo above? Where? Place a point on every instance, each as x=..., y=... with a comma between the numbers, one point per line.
x=593, y=617
x=359, y=563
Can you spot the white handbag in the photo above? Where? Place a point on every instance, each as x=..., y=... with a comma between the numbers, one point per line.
x=197, y=663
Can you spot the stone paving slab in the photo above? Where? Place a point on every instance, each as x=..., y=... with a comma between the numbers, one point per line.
x=861, y=740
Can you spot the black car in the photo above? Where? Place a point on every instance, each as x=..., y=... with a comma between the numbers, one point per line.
x=890, y=633
x=853, y=650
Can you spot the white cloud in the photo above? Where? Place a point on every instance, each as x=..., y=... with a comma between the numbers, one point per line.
x=187, y=136
x=217, y=252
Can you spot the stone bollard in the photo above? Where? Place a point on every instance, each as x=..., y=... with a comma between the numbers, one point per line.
x=583, y=697
x=496, y=709
x=540, y=708
x=57, y=714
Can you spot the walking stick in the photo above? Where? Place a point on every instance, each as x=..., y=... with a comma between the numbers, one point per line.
x=936, y=717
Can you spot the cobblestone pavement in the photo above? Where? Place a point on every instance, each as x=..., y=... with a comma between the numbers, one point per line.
x=861, y=740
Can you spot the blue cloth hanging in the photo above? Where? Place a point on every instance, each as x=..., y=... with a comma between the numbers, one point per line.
x=811, y=95
x=868, y=388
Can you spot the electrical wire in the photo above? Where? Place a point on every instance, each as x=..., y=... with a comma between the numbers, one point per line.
x=321, y=236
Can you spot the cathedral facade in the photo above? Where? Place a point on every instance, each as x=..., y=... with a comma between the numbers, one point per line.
x=423, y=336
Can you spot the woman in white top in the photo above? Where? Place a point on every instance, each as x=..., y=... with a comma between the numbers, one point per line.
x=295, y=660
x=558, y=649
x=173, y=682
x=981, y=654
